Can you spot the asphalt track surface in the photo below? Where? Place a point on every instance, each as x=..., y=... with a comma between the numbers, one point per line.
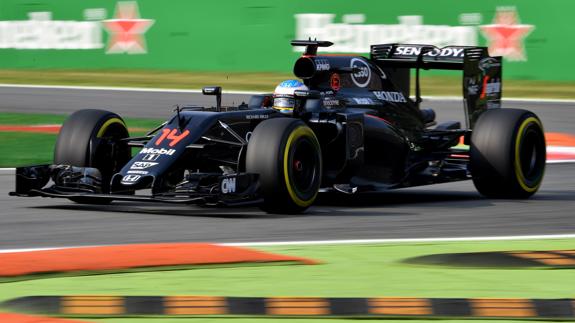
x=445, y=210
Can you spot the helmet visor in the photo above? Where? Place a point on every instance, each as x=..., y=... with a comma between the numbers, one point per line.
x=284, y=103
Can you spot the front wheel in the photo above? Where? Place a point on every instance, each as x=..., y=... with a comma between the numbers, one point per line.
x=508, y=153
x=92, y=138
x=287, y=156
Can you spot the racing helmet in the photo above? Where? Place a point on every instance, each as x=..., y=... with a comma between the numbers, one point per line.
x=284, y=98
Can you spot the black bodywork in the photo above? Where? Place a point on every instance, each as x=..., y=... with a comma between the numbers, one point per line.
x=373, y=135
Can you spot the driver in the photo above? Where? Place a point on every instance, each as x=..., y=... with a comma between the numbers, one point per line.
x=284, y=99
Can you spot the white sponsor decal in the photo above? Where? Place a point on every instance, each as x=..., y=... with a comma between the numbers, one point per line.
x=228, y=185
x=142, y=165
x=443, y=52
x=161, y=151
x=362, y=76
x=257, y=116
x=141, y=172
x=492, y=88
x=322, y=65
x=151, y=157
x=41, y=32
x=130, y=179
x=363, y=101
x=472, y=86
x=390, y=96
x=331, y=102
x=357, y=37
x=488, y=63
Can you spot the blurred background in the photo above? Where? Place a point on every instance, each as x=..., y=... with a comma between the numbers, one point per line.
x=245, y=44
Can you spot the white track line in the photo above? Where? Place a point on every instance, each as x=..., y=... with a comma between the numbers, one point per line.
x=161, y=90
x=348, y=242
x=399, y=241
x=32, y=249
x=561, y=161
x=509, y=100
x=119, y=89
x=561, y=149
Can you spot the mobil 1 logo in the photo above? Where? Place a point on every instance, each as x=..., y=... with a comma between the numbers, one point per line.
x=362, y=73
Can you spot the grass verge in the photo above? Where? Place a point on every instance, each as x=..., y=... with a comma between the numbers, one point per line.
x=250, y=81
x=348, y=271
x=20, y=149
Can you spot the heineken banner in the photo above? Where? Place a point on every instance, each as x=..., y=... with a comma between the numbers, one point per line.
x=534, y=37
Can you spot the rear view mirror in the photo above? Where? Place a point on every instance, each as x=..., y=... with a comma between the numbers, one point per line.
x=214, y=90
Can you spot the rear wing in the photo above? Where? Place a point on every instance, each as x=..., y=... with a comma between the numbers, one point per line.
x=481, y=72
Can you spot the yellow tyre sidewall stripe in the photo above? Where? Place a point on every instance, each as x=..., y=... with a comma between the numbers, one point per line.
x=107, y=124
x=518, y=170
x=296, y=134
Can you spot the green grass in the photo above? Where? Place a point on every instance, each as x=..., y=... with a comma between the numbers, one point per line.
x=251, y=81
x=7, y=118
x=348, y=271
x=156, y=79
x=21, y=149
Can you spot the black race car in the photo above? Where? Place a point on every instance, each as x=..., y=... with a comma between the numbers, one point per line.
x=355, y=129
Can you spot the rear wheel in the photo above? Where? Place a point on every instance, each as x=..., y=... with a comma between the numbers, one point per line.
x=287, y=156
x=508, y=153
x=90, y=138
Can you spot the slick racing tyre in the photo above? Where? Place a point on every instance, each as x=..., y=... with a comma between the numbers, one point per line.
x=508, y=153
x=90, y=138
x=287, y=156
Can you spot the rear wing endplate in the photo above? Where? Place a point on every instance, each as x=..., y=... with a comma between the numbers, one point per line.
x=481, y=72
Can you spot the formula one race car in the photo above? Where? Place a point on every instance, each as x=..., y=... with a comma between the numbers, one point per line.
x=350, y=127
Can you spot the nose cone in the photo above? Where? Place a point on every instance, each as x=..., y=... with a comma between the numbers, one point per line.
x=130, y=182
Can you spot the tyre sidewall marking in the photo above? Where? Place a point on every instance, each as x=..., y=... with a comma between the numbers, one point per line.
x=107, y=124
x=518, y=170
x=294, y=135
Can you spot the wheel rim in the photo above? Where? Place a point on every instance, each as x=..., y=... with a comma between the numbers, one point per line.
x=531, y=156
x=109, y=156
x=304, y=170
